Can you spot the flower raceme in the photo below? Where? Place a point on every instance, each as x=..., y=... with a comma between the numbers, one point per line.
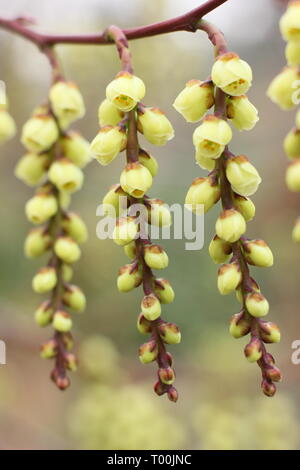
x=121, y=116
x=283, y=91
x=7, y=124
x=231, y=179
x=54, y=159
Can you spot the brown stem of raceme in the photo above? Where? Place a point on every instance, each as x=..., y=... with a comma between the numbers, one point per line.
x=187, y=22
x=116, y=34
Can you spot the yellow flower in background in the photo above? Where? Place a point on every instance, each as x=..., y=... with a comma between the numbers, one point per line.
x=292, y=52
x=66, y=102
x=232, y=74
x=39, y=133
x=7, y=126
x=291, y=143
x=125, y=91
x=66, y=176
x=292, y=176
x=290, y=22
x=31, y=168
x=283, y=88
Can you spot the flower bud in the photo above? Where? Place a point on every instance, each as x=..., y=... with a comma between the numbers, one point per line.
x=158, y=213
x=67, y=273
x=125, y=91
x=291, y=144
x=169, y=333
x=151, y=307
x=62, y=381
x=40, y=208
x=296, y=231
x=130, y=250
x=7, y=126
x=143, y=325
x=129, y=277
x=39, y=133
x=37, y=242
x=109, y=114
x=43, y=314
x=195, y=100
x=166, y=375
x=251, y=284
x=203, y=192
x=229, y=277
x=281, y=90
x=268, y=388
x=64, y=199
x=117, y=198
x=66, y=102
x=258, y=253
x=245, y=206
x=230, y=225
x=135, y=179
x=159, y=388
x=68, y=341
x=155, y=126
x=74, y=298
x=239, y=325
x=273, y=374
x=62, y=321
x=76, y=148
x=292, y=53
x=253, y=350
x=45, y=280
x=74, y=226
x=164, y=291
x=66, y=175
x=148, y=352
x=108, y=143
x=155, y=257
x=292, y=176
x=257, y=305
x=49, y=349
x=67, y=249
x=242, y=175
x=211, y=137
x=290, y=22
x=70, y=362
x=219, y=250
x=205, y=163
x=242, y=112
x=172, y=394
x=31, y=168
x=149, y=162
x=232, y=74
x=125, y=230
x=269, y=332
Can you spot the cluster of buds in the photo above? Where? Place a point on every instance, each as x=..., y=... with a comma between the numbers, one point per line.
x=284, y=91
x=232, y=179
x=53, y=162
x=121, y=116
x=7, y=123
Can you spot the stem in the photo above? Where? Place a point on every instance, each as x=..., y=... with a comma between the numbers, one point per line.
x=116, y=34
x=215, y=36
x=187, y=22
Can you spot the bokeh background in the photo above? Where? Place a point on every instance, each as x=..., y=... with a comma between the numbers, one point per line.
x=110, y=404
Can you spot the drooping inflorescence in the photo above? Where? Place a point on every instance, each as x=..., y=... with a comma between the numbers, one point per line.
x=53, y=162
x=284, y=91
x=232, y=179
x=121, y=116
x=7, y=123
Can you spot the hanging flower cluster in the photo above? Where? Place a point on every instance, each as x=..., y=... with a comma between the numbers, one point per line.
x=121, y=115
x=7, y=123
x=53, y=162
x=284, y=91
x=232, y=179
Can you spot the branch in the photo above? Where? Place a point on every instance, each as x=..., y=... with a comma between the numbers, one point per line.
x=187, y=22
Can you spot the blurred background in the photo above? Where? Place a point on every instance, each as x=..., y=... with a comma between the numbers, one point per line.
x=110, y=404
